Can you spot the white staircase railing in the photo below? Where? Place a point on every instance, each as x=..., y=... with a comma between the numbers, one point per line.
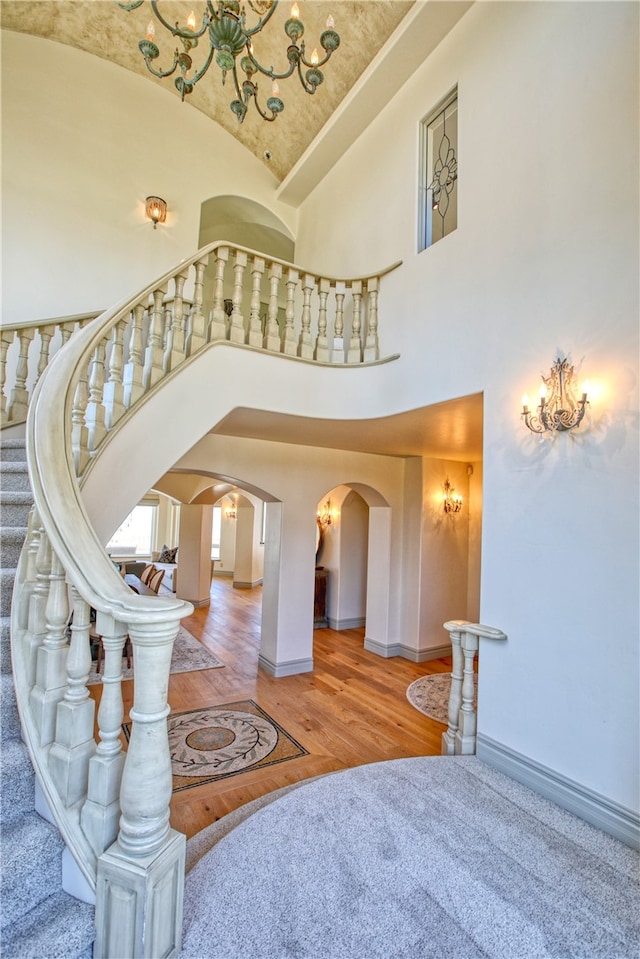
x=113, y=808
x=460, y=737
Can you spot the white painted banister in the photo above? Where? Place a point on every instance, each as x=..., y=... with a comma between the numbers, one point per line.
x=113, y=807
x=460, y=737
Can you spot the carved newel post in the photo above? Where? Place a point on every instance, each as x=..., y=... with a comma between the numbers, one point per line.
x=140, y=880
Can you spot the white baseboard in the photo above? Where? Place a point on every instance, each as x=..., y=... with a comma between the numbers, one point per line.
x=611, y=817
x=339, y=624
x=290, y=668
x=406, y=652
x=238, y=584
x=223, y=572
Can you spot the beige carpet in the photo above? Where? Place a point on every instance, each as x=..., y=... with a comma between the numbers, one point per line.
x=430, y=695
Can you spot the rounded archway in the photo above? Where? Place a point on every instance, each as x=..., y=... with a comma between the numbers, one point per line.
x=247, y=223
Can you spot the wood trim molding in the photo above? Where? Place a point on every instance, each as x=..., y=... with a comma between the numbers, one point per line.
x=414, y=655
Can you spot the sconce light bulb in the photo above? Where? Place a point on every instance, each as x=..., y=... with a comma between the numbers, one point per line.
x=330, y=22
x=191, y=21
x=151, y=31
x=275, y=88
x=525, y=401
x=586, y=388
x=295, y=12
x=543, y=392
x=314, y=57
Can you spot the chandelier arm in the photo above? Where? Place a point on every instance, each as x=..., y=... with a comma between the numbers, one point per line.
x=200, y=73
x=271, y=73
x=260, y=24
x=265, y=116
x=162, y=73
x=234, y=74
x=317, y=65
x=177, y=31
x=307, y=87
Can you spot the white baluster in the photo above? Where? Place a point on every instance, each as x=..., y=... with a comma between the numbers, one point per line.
x=79, y=431
x=46, y=333
x=37, y=618
x=218, y=317
x=95, y=414
x=132, y=378
x=322, y=352
x=466, y=733
x=289, y=345
x=174, y=349
x=455, y=629
x=337, y=349
x=371, y=347
x=255, y=326
x=197, y=325
x=51, y=664
x=23, y=597
x=153, y=358
x=354, y=353
x=19, y=402
x=272, y=336
x=66, y=330
x=101, y=811
x=74, y=743
x=6, y=339
x=143, y=872
x=236, y=328
x=305, y=346
x=113, y=396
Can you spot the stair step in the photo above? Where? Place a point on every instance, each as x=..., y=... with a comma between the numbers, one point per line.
x=18, y=783
x=9, y=717
x=14, y=475
x=5, y=644
x=13, y=538
x=60, y=927
x=12, y=450
x=31, y=865
x=15, y=506
x=7, y=577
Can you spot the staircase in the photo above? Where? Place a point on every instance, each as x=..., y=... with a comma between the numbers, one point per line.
x=37, y=918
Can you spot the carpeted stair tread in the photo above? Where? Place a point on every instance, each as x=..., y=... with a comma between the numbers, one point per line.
x=14, y=476
x=5, y=644
x=31, y=865
x=7, y=577
x=12, y=450
x=17, y=783
x=15, y=506
x=9, y=718
x=61, y=927
x=13, y=538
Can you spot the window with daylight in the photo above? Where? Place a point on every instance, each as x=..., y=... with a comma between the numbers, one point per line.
x=438, y=213
x=135, y=537
x=216, y=531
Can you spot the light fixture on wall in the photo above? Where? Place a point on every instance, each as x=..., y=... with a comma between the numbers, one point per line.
x=324, y=515
x=223, y=25
x=452, y=501
x=231, y=512
x=559, y=408
x=156, y=209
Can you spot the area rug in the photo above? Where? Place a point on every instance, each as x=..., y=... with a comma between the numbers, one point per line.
x=430, y=695
x=188, y=655
x=220, y=741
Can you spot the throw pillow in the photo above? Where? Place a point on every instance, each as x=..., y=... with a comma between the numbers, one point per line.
x=167, y=555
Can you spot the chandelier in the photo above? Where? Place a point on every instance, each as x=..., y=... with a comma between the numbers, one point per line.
x=559, y=409
x=224, y=23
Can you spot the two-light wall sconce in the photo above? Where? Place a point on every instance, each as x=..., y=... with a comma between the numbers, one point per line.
x=156, y=209
x=452, y=501
x=559, y=408
x=231, y=511
x=324, y=515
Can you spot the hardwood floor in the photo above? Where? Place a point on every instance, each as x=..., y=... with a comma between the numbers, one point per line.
x=351, y=709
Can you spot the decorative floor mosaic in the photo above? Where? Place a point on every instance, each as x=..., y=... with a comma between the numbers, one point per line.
x=430, y=695
x=220, y=741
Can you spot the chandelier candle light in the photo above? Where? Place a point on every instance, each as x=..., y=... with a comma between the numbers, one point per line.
x=452, y=501
x=229, y=36
x=558, y=410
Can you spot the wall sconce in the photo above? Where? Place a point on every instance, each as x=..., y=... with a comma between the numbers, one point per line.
x=324, y=515
x=452, y=501
x=231, y=512
x=558, y=410
x=156, y=209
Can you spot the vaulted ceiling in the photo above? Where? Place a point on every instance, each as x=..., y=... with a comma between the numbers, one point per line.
x=102, y=28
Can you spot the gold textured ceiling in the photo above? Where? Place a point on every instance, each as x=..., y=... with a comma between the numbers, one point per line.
x=102, y=28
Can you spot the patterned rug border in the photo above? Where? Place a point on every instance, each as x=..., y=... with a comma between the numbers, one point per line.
x=180, y=786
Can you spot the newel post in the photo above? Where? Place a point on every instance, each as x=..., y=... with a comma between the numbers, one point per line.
x=140, y=879
x=455, y=629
